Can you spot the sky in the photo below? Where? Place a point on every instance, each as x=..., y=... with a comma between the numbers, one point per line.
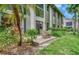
x=62, y=8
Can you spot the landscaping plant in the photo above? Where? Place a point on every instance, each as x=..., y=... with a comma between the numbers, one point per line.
x=58, y=32
x=31, y=35
x=6, y=39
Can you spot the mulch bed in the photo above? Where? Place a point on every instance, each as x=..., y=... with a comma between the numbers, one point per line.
x=24, y=49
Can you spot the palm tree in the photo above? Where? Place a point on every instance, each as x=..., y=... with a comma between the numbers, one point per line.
x=16, y=13
x=72, y=9
x=15, y=16
x=77, y=7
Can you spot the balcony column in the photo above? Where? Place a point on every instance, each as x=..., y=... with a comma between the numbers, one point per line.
x=77, y=25
x=32, y=17
x=59, y=21
x=56, y=20
x=44, y=21
x=23, y=21
x=0, y=19
x=51, y=20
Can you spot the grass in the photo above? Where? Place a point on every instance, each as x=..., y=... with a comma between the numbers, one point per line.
x=66, y=45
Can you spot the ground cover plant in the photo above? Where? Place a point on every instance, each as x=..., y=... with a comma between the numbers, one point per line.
x=6, y=39
x=31, y=35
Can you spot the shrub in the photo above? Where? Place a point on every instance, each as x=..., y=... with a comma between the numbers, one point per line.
x=58, y=33
x=6, y=39
x=58, y=29
x=69, y=28
x=1, y=28
x=31, y=34
x=49, y=31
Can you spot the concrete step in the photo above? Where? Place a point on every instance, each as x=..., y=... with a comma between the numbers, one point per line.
x=41, y=40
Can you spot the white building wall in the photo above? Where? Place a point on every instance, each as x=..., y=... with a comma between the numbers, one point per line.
x=31, y=19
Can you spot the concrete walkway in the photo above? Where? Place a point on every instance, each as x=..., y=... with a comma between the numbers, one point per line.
x=40, y=40
x=43, y=42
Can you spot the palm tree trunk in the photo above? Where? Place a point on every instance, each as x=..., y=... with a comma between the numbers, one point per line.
x=15, y=10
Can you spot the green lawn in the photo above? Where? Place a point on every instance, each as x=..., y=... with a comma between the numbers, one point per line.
x=66, y=45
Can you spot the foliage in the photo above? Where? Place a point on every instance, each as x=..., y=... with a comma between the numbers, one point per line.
x=7, y=39
x=74, y=9
x=58, y=33
x=17, y=16
x=1, y=28
x=68, y=45
x=58, y=29
x=31, y=34
x=69, y=28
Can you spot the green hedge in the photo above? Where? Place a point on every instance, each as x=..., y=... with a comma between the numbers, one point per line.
x=58, y=33
x=62, y=29
x=1, y=28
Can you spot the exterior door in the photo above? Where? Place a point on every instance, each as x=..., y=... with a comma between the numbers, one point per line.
x=39, y=26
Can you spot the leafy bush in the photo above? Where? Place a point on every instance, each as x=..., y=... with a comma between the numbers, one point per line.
x=6, y=39
x=49, y=31
x=69, y=28
x=31, y=34
x=58, y=29
x=62, y=29
x=1, y=28
x=58, y=33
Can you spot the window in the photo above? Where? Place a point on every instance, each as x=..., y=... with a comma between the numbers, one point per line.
x=39, y=11
x=68, y=23
x=40, y=5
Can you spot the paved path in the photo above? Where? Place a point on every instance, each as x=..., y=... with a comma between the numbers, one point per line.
x=41, y=40
x=42, y=44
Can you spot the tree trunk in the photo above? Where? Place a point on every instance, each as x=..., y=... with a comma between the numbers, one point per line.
x=15, y=10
